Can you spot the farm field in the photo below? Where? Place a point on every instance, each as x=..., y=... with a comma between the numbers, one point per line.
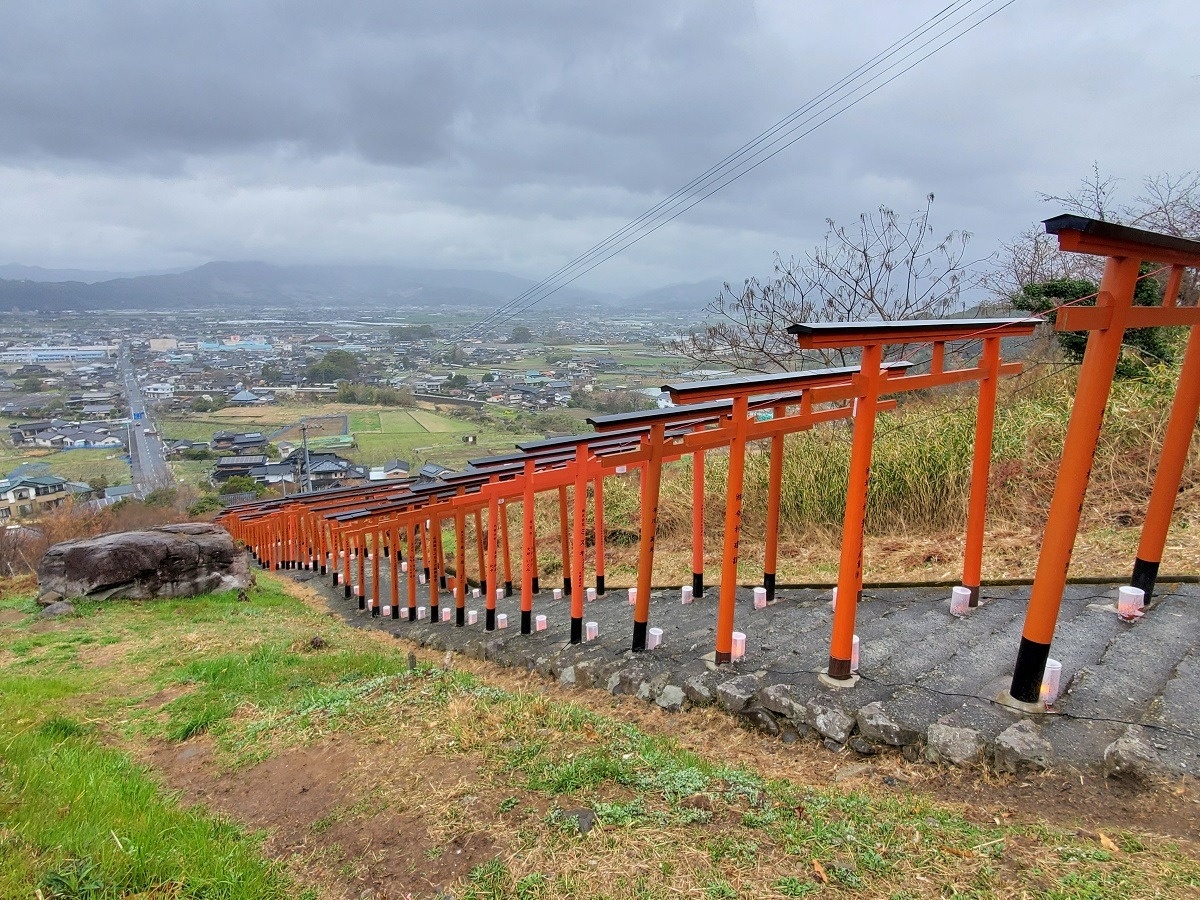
x=380, y=434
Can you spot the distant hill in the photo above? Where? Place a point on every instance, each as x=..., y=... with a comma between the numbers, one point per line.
x=262, y=285
x=13, y=272
x=678, y=297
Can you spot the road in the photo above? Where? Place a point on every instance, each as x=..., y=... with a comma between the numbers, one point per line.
x=150, y=469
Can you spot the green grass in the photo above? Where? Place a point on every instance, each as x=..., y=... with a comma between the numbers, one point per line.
x=435, y=423
x=399, y=421
x=74, y=465
x=81, y=820
x=189, y=429
x=379, y=435
x=364, y=421
x=78, y=816
x=191, y=471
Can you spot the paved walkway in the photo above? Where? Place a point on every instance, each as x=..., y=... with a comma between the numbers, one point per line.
x=922, y=667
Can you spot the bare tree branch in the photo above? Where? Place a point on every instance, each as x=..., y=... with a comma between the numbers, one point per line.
x=879, y=268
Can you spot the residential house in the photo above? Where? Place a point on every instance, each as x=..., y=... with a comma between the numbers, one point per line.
x=229, y=466
x=246, y=398
x=176, y=449
x=432, y=471
x=393, y=468
x=82, y=436
x=281, y=476
x=23, y=432
x=326, y=470
x=159, y=391
x=24, y=496
x=251, y=442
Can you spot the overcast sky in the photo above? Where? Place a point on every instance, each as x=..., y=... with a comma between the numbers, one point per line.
x=513, y=135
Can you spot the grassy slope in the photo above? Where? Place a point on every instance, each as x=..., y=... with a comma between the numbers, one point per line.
x=76, y=705
x=79, y=818
x=74, y=465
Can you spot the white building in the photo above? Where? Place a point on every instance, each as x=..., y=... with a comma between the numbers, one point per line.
x=43, y=354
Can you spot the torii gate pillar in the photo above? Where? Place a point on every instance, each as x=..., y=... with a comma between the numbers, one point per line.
x=1126, y=249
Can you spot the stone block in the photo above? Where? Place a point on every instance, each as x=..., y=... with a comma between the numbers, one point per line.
x=1132, y=756
x=1020, y=748
x=782, y=699
x=957, y=746
x=874, y=724
x=735, y=693
x=671, y=698
x=829, y=720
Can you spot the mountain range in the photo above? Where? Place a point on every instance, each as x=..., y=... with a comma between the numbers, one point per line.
x=257, y=285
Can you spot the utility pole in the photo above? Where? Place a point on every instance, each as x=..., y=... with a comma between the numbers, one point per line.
x=307, y=480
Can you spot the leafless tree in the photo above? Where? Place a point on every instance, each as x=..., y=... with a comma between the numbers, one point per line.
x=1033, y=257
x=1096, y=197
x=882, y=267
x=1167, y=203
x=1170, y=204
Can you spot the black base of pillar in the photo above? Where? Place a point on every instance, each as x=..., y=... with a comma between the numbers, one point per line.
x=335, y=579
x=566, y=587
x=599, y=585
x=483, y=589
x=974, y=595
x=724, y=659
x=508, y=589
x=387, y=551
x=362, y=602
x=1145, y=575
x=526, y=622
x=839, y=668
x=435, y=615
x=576, y=629
x=537, y=589
x=442, y=582
x=395, y=612
x=489, y=620
x=323, y=572
x=639, y=636
x=460, y=616
x=1029, y=671
x=412, y=614
x=374, y=611
x=347, y=590
x=427, y=573
x=768, y=583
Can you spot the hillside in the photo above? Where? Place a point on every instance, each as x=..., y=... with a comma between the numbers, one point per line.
x=256, y=285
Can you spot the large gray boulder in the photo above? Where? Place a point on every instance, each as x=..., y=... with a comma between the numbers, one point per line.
x=171, y=561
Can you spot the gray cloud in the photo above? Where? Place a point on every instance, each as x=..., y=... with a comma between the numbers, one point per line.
x=513, y=135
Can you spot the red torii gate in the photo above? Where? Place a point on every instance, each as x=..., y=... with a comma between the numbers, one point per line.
x=714, y=414
x=875, y=379
x=1126, y=249
x=777, y=392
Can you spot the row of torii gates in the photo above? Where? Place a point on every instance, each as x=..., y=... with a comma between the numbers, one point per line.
x=402, y=520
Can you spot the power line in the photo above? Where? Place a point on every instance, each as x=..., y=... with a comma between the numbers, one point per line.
x=829, y=104
x=724, y=163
